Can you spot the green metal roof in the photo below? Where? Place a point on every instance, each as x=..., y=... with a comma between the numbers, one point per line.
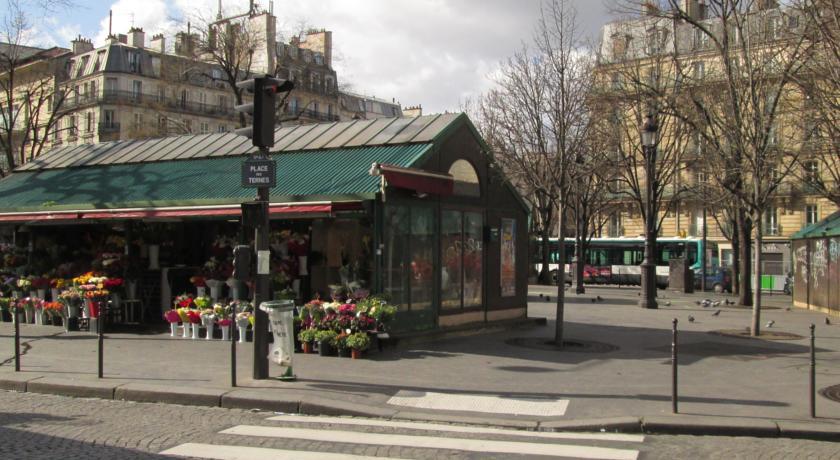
x=830, y=226
x=333, y=174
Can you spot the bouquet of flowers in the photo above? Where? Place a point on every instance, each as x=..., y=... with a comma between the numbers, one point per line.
x=24, y=284
x=30, y=303
x=39, y=282
x=96, y=294
x=70, y=296
x=184, y=301
x=172, y=316
x=83, y=279
x=202, y=303
x=54, y=309
x=222, y=313
x=243, y=319
x=58, y=283
x=198, y=281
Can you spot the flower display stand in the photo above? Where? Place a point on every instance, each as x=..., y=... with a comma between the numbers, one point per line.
x=187, y=327
x=225, y=332
x=195, y=330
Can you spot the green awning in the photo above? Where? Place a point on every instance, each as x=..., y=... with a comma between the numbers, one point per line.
x=830, y=226
x=333, y=174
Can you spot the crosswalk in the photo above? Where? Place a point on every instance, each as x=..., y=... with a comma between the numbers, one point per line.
x=301, y=437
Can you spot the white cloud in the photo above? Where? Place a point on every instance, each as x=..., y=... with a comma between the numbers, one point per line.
x=153, y=16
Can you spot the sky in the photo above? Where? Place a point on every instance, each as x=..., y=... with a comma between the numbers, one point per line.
x=436, y=53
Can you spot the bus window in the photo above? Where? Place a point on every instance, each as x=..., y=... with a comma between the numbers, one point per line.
x=692, y=254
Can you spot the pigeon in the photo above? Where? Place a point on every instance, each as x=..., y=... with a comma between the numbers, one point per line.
x=787, y=308
x=593, y=300
x=827, y=321
x=716, y=303
x=697, y=302
x=548, y=298
x=716, y=313
x=727, y=302
x=541, y=296
x=668, y=303
x=639, y=294
x=599, y=298
x=690, y=319
x=770, y=323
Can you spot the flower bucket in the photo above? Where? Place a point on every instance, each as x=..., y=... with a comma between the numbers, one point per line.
x=42, y=293
x=307, y=347
x=215, y=288
x=195, y=330
x=356, y=354
x=39, y=317
x=28, y=315
x=303, y=269
x=73, y=310
x=324, y=348
x=34, y=294
x=225, y=332
x=242, y=333
x=93, y=308
x=131, y=289
x=201, y=291
x=54, y=294
x=187, y=330
x=17, y=294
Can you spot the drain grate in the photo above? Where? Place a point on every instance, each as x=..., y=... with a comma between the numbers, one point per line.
x=832, y=393
x=573, y=346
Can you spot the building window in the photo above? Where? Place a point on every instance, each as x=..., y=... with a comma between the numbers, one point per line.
x=461, y=259
x=774, y=28
x=110, y=84
x=811, y=214
x=408, y=265
x=465, y=178
x=698, y=70
x=222, y=129
x=133, y=62
x=136, y=89
x=109, y=118
x=89, y=122
x=204, y=127
x=811, y=171
x=93, y=92
x=614, y=225
x=138, y=121
x=771, y=222
x=701, y=39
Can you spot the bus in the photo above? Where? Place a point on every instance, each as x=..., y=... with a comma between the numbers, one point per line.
x=618, y=260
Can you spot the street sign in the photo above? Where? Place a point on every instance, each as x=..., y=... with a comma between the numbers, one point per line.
x=259, y=173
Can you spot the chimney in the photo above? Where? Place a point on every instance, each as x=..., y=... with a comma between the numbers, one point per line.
x=81, y=45
x=122, y=38
x=137, y=37
x=158, y=43
x=184, y=44
x=321, y=42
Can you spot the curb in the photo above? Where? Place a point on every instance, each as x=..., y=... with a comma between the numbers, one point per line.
x=251, y=399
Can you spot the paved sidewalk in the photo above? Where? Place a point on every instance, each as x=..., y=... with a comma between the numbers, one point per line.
x=623, y=382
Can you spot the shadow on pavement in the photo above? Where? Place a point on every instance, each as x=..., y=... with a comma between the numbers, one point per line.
x=27, y=444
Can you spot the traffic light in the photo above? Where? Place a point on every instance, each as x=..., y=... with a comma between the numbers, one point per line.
x=265, y=91
x=242, y=263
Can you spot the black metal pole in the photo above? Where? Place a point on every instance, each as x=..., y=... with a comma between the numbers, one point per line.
x=233, y=330
x=674, y=367
x=705, y=252
x=16, y=313
x=813, y=377
x=261, y=293
x=101, y=338
x=648, y=267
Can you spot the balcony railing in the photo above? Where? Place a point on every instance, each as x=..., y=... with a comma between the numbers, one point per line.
x=109, y=128
x=772, y=230
x=150, y=100
x=311, y=114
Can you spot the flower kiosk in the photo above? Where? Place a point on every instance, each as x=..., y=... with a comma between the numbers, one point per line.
x=407, y=211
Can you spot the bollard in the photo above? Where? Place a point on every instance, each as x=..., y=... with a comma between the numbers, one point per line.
x=16, y=313
x=233, y=332
x=674, y=367
x=813, y=379
x=101, y=339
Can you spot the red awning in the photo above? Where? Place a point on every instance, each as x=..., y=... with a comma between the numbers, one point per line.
x=231, y=211
x=416, y=179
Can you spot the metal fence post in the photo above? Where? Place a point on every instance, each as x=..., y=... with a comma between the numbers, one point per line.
x=674, y=367
x=16, y=314
x=234, y=331
x=101, y=339
x=813, y=377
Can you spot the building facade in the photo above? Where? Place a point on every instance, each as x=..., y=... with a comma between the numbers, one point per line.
x=654, y=54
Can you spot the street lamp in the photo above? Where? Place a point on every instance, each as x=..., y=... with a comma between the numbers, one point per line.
x=648, y=268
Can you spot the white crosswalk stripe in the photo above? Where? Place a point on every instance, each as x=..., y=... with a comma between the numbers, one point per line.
x=458, y=428
x=575, y=445
x=480, y=403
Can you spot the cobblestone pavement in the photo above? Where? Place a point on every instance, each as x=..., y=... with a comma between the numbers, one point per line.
x=34, y=426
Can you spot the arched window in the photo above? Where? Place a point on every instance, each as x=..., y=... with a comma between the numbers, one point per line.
x=466, y=178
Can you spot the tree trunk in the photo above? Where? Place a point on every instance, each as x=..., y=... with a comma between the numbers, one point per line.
x=744, y=236
x=736, y=259
x=561, y=275
x=545, y=274
x=755, y=329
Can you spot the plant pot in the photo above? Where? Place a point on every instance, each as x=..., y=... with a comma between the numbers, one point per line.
x=307, y=347
x=200, y=291
x=356, y=354
x=343, y=352
x=324, y=348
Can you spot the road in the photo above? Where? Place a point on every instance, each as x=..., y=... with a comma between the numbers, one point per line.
x=34, y=426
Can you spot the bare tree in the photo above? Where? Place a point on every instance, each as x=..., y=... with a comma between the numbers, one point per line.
x=540, y=122
x=737, y=94
x=31, y=104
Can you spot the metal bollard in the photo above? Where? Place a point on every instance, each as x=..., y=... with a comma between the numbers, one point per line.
x=101, y=339
x=674, y=367
x=16, y=314
x=813, y=377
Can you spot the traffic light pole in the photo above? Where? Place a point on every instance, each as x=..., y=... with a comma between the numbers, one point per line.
x=262, y=285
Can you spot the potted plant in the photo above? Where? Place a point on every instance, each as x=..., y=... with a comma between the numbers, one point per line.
x=326, y=341
x=357, y=343
x=341, y=345
x=306, y=337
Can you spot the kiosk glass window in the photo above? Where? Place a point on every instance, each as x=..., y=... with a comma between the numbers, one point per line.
x=473, y=255
x=422, y=258
x=462, y=256
x=397, y=234
x=451, y=255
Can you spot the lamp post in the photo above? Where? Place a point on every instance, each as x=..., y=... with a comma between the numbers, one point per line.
x=648, y=267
